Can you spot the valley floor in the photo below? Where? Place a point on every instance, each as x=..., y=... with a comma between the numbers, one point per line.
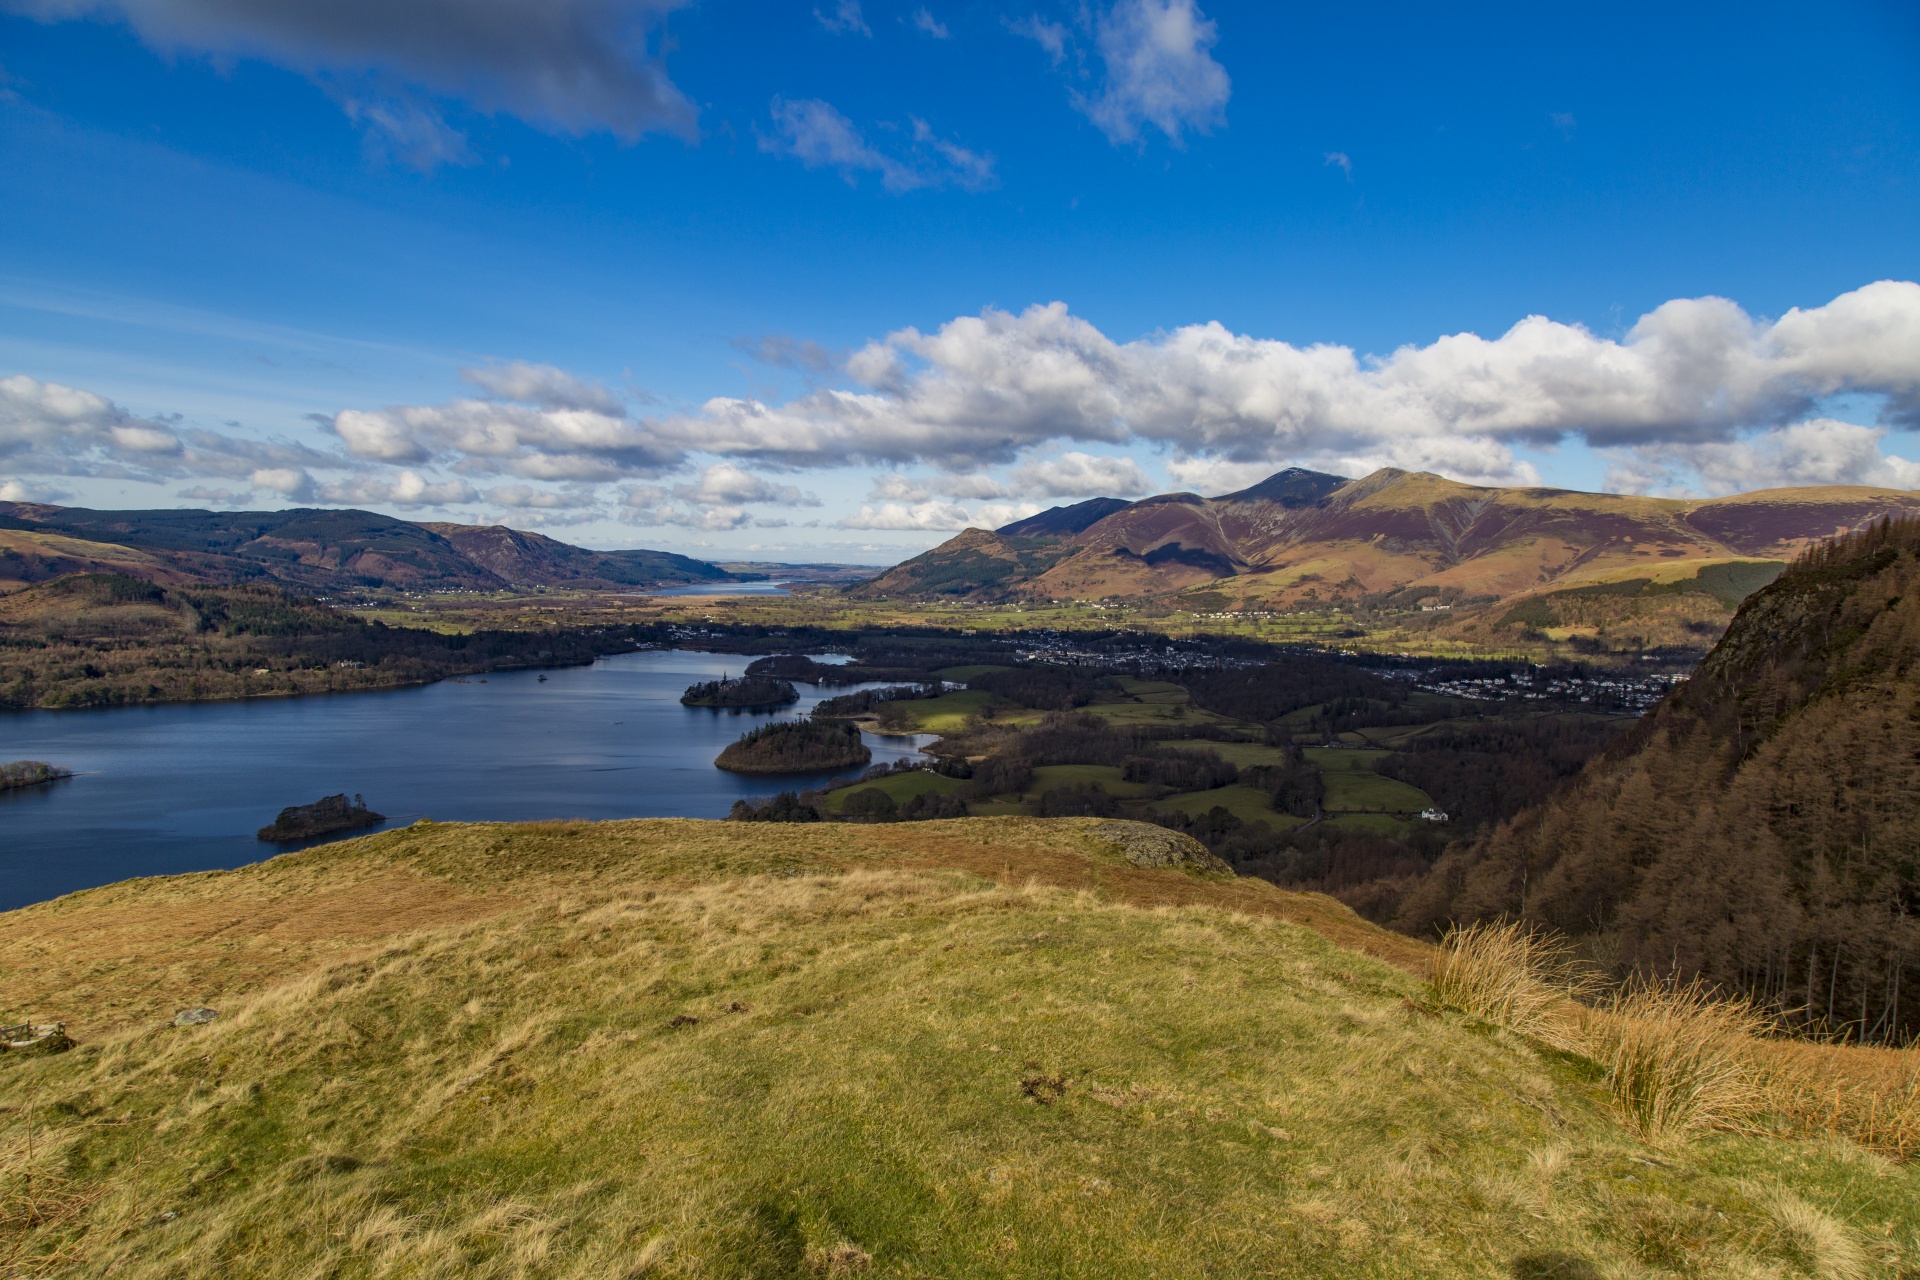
x=985, y=1047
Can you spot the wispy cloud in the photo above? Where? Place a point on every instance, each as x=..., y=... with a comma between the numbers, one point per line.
x=819, y=136
x=408, y=133
x=788, y=352
x=924, y=21
x=1050, y=36
x=845, y=17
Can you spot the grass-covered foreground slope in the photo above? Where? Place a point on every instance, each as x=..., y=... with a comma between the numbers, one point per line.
x=972, y=1048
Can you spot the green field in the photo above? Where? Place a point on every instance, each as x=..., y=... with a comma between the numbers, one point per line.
x=968, y=672
x=947, y=713
x=1245, y=803
x=1160, y=713
x=1163, y=692
x=1047, y=777
x=901, y=786
x=1354, y=787
x=1244, y=755
x=1379, y=824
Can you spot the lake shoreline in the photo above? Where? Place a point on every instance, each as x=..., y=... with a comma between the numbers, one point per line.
x=166, y=788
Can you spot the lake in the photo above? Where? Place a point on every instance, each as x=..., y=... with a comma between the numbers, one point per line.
x=723, y=589
x=179, y=788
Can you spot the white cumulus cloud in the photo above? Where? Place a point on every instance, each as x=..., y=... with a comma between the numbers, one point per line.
x=981, y=390
x=1081, y=475
x=1818, y=451
x=408, y=488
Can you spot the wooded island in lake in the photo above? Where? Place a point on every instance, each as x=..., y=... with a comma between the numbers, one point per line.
x=322, y=817
x=795, y=746
x=748, y=691
x=30, y=773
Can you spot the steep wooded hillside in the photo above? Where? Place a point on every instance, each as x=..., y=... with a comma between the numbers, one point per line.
x=1761, y=827
x=317, y=550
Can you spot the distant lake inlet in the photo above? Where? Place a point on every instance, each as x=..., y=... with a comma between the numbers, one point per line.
x=183, y=787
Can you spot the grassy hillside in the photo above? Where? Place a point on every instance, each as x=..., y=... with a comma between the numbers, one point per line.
x=975, y=1048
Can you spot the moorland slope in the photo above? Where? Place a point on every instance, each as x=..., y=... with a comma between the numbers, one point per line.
x=961, y=1049
x=1304, y=537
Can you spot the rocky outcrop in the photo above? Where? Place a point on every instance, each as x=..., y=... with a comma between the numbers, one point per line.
x=1145, y=845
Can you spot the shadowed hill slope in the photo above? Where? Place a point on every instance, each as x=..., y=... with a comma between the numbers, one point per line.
x=1058, y=522
x=1761, y=827
x=314, y=549
x=532, y=559
x=983, y=1048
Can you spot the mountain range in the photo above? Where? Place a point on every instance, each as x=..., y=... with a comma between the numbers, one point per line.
x=1306, y=537
x=316, y=550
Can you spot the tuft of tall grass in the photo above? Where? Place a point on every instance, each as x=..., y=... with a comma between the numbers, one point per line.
x=1513, y=976
x=1869, y=1096
x=1679, y=1059
x=1824, y=1248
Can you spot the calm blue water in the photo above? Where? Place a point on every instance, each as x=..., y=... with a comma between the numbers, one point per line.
x=183, y=788
x=723, y=589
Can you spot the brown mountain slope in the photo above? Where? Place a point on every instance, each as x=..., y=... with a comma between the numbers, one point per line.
x=533, y=559
x=313, y=550
x=27, y=558
x=1761, y=827
x=971, y=563
x=1306, y=537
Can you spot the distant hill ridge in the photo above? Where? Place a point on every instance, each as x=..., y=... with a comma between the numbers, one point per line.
x=315, y=549
x=1307, y=536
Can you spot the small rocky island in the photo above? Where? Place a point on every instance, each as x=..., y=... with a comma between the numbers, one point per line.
x=322, y=817
x=795, y=746
x=748, y=691
x=30, y=773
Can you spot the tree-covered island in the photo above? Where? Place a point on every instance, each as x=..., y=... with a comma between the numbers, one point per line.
x=748, y=691
x=322, y=817
x=795, y=746
x=30, y=773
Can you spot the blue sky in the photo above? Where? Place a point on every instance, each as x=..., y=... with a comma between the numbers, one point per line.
x=746, y=279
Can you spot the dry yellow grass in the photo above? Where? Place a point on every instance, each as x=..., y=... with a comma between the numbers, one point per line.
x=739, y=1050
x=131, y=952
x=1678, y=1061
